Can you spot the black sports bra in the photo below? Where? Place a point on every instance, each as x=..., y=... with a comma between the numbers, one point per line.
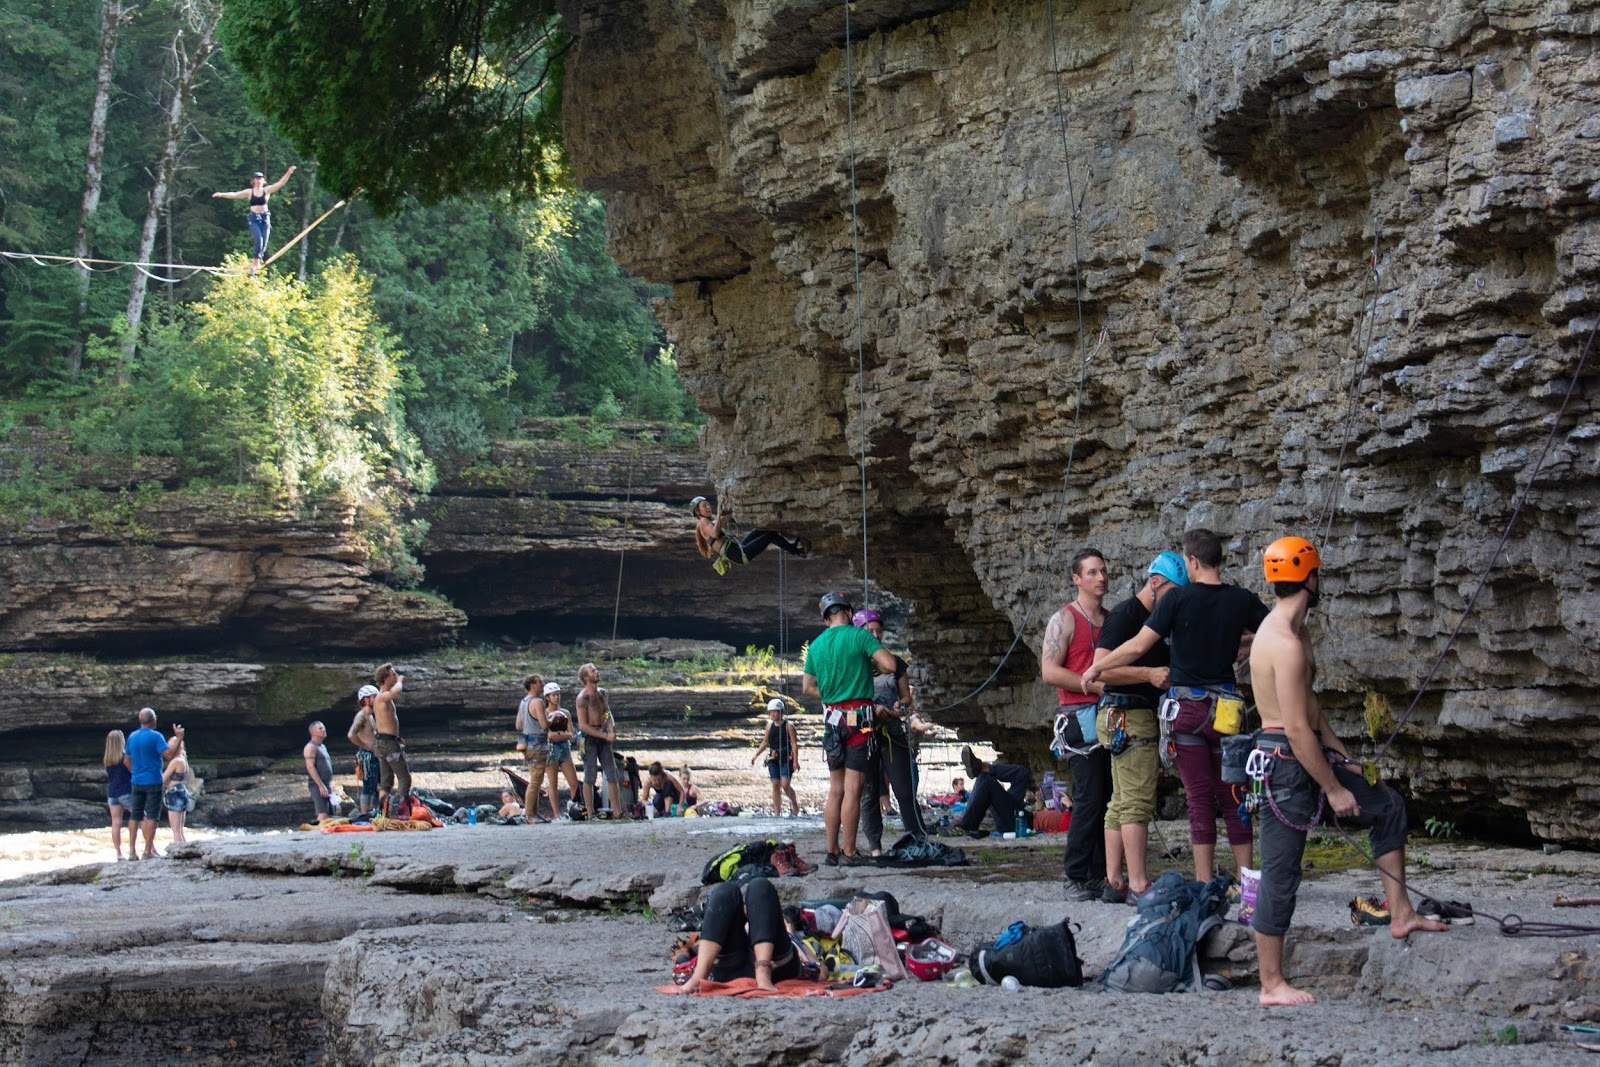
x=258, y=201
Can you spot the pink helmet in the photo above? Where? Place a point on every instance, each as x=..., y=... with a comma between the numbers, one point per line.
x=931, y=960
x=864, y=616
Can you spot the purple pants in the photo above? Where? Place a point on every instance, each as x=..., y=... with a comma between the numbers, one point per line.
x=1200, y=767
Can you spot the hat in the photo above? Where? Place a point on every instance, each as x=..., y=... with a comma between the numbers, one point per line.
x=366, y=691
x=258, y=174
x=1170, y=566
x=776, y=704
x=551, y=687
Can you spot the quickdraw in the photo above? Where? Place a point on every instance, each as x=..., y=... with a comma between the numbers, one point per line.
x=1259, y=768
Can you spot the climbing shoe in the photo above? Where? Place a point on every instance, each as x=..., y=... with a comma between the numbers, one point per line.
x=1365, y=911
x=1446, y=911
x=970, y=762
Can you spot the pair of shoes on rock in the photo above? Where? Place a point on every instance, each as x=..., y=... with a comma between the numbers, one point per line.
x=785, y=860
x=971, y=763
x=1074, y=890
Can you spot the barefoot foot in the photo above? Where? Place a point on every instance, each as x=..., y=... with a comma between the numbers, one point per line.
x=1284, y=995
x=1400, y=929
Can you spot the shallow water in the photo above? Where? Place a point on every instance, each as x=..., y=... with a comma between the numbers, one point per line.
x=48, y=850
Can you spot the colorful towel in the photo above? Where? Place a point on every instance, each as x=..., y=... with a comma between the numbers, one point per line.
x=745, y=989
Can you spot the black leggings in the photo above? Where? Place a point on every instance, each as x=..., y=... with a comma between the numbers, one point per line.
x=893, y=761
x=739, y=921
x=753, y=543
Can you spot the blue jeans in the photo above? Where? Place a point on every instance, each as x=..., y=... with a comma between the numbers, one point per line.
x=260, y=227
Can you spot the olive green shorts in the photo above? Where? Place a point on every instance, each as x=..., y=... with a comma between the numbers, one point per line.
x=1135, y=772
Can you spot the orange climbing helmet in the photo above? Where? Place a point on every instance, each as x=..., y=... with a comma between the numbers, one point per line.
x=1290, y=559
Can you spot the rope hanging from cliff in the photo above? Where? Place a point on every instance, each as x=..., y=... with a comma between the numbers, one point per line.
x=627, y=512
x=1505, y=535
x=1083, y=371
x=1330, y=506
x=855, y=256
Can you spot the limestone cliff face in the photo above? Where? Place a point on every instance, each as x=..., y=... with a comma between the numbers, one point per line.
x=1261, y=187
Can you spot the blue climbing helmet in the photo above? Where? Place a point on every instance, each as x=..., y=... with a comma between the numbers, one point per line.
x=1170, y=566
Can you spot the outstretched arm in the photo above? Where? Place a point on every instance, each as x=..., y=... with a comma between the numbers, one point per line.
x=242, y=194
x=279, y=184
x=1123, y=654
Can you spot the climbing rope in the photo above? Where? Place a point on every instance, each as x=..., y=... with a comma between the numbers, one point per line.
x=783, y=617
x=1083, y=363
x=855, y=255
x=1505, y=536
x=627, y=512
x=1336, y=486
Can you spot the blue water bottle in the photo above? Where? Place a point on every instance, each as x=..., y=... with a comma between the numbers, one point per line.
x=472, y=815
x=1022, y=824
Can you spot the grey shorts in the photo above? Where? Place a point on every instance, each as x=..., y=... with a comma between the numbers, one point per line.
x=598, y=759
x=318, y=801
x=1295, y=793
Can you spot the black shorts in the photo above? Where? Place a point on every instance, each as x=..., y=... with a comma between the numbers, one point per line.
x=840, y=757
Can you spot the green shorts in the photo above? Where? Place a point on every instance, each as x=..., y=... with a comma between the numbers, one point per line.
x=1134, y=773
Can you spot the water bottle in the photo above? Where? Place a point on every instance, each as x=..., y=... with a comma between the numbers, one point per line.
x=1022, y=824
x=1010, y=984
x=472, y=815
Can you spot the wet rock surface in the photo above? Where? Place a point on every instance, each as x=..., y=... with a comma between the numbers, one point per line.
x=1236, y=168
x=506, y=944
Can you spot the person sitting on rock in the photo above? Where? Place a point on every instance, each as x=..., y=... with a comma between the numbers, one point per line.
x=508, y=804
x=691, y=792
x=712, y=536
x=665, y=790
x=1002, y=786
x=742, y=935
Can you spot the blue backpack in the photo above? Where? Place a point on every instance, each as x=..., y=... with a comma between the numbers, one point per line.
x=1160, y=953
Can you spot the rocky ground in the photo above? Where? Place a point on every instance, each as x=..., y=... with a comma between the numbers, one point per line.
x=493, y=945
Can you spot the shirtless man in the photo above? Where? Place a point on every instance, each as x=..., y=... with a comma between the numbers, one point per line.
x=594, y=719
x=362, y=735
x=1306, y=759
x=394, y=775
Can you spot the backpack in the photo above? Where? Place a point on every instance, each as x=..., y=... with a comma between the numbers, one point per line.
x=1159, y=953
x=1045, y=956
x=864, y=932
x=720, y=868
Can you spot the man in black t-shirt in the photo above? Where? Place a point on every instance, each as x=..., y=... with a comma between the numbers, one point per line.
x=1207, y=622
x=1126, y=723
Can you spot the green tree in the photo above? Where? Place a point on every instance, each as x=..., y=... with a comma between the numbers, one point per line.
x=421, y=98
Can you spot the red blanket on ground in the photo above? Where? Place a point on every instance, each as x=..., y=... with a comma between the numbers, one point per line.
x=789, y=987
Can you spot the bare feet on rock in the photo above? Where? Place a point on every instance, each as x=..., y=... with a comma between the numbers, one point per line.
x=1400, y=929
x=1284, y=995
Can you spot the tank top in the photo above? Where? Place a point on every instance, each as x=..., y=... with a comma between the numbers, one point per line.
x=778, y=743
x=324, y=765
x=1080, y=655
x=258, y=201
x=530, y=725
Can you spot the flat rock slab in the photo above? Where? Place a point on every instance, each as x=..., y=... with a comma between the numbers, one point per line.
x=490, y=945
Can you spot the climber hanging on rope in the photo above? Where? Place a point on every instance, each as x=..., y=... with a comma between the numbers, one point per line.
x=717, y=539
x=259, y=217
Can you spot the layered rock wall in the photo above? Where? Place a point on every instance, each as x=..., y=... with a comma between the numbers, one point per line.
x=1252, y=206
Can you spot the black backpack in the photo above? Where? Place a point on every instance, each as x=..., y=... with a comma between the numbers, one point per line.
x=1044, y=956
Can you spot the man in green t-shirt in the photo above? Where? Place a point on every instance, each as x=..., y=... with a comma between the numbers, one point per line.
x=838, y=671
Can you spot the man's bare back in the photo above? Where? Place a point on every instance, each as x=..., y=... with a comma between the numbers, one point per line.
x=362, y=734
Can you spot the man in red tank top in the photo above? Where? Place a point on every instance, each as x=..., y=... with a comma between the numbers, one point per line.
x=1069, y=643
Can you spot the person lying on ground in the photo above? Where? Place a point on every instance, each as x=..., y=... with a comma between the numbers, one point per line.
x=743, y=936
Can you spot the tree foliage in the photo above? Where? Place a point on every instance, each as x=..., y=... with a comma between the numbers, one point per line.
x=420, y=98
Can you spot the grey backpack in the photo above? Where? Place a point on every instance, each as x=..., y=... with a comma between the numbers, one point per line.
x=1160, y=952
